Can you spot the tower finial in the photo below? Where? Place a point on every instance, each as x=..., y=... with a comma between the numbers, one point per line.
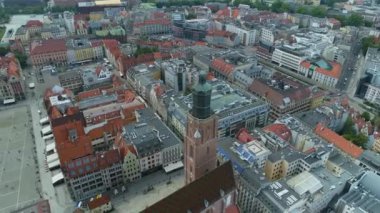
x=202, y=77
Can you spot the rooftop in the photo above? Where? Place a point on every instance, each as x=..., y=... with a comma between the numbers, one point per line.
x=149, y=133
x=305, y=182
x=96, y=101
x=331, y=69
x=193, y=197
x=98, y=201
x=91, y=163
x=281, y=90
x=48, y=46
x=280, y=194
x=281, y=130
x=346, y=146
x=225, y=100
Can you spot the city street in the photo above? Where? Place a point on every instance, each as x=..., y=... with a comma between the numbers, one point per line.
x=349, y=65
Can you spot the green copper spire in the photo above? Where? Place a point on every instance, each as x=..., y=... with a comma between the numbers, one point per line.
x=202, y=98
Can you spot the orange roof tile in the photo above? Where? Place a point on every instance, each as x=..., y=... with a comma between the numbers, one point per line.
x=54, y=113
x=97, y=202
x=281, y=130
x=232, y=209
x=34, y=23
x=68, y=150
x=244, y=136
x=88, y=94
x=335, y=72
x=221, y=66
x=346, y=146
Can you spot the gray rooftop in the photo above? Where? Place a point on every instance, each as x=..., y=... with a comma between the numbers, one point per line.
x=278, y=196
x=149, y=133
x=287, y=154
x=225, y=100
x=345, y=162
x=95, y=101
x=371, y=158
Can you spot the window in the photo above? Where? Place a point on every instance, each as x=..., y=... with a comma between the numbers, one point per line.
x=208, y=150
x=191, y=151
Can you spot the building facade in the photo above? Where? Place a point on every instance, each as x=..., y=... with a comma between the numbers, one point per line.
x=12, y=85
x=48, y=52
x=71, y=80
x=22, y=34
x=246, y=37
x=91, y=175
x=372, y=94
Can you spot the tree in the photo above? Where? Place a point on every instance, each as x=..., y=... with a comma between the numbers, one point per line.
x=330, y=3
x=22, y=58
x=369, y=41
x=4, y=51
x=260, y=5
x=302, y=10
x=318, y=11
x=355, y=20
x=366, y=116
x=360, y=140
x=376, y=122
x=348, y=128
x=191, y=16
x=368, y=23
x=280, y=7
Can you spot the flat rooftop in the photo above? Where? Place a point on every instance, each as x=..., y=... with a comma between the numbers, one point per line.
x=224, y=99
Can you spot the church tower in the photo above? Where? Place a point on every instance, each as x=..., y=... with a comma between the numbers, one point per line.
x=201, y=133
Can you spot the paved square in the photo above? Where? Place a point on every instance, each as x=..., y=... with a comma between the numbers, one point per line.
x=18, y=172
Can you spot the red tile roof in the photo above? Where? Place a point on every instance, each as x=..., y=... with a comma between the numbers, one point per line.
x=335, y=72
x=228, y=13
x=98, y=201
x=48, y=46
x=297, y=92
x=160, y=21
x=281, y=130
x=33, y=23
x=72, y=110
x=88, y=94
x=54, y=113
x=10, y=63
x=68, y=150
x=244, y=136
x=221, y=66
x=232, y=209
x=330, y=136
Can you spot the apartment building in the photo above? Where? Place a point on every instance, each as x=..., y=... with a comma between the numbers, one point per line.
x=94, y=174
x=12, y=86
x=152, y=26
x=284, y=94
x=48, y=52
x=157, y=147
x=324, y=72
x=247, y=37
